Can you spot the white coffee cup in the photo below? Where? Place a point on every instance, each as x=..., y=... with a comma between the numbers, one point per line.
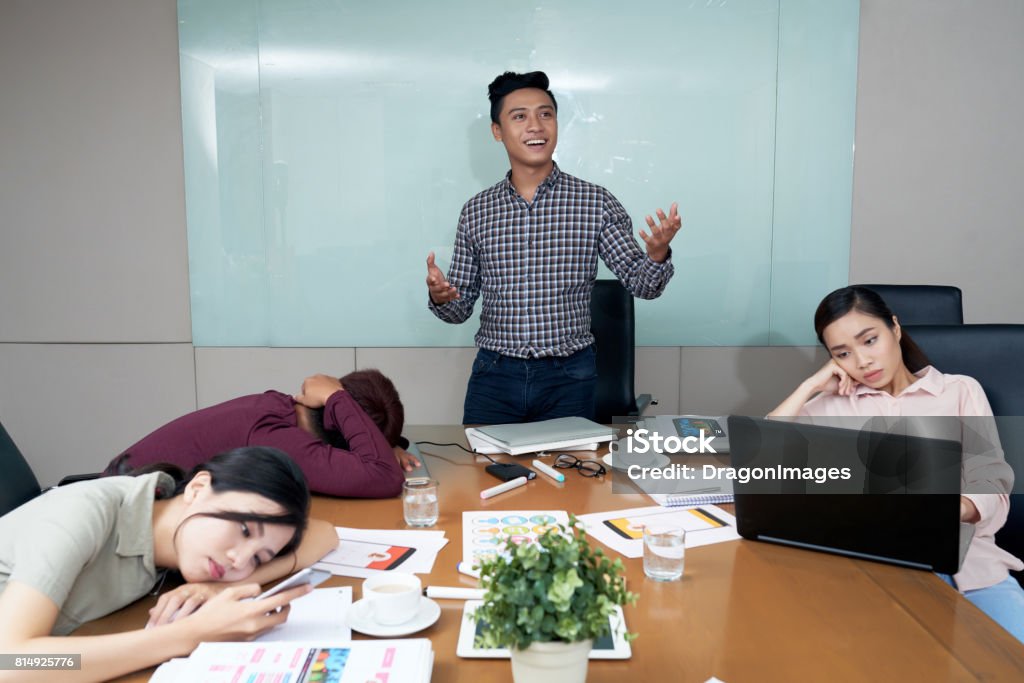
x=392, y=598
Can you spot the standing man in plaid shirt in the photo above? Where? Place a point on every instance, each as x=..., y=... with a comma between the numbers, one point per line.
x=530, y=245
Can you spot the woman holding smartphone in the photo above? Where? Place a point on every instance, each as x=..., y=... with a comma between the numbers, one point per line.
x=876, y=369
x=82, y=551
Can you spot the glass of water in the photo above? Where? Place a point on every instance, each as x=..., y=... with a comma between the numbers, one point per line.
x=419, y=502
x=664, y=552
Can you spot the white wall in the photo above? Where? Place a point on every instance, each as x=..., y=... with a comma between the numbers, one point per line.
x=95, y=343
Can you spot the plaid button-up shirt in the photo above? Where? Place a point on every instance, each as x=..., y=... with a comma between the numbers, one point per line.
x=535, y=264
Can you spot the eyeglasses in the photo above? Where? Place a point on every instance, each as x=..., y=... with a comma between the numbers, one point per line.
x=588, y=468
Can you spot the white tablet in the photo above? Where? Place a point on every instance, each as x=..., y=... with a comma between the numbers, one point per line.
x=610, y=646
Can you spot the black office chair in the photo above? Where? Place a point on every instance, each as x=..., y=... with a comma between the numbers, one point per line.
x=923, y=304
x=992, y=355
x=612, y=323
x=18, y=484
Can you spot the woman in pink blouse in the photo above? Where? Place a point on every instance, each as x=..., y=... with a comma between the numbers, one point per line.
x=877, y=370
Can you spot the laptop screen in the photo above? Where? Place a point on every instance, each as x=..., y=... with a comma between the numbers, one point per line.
x=900, y=504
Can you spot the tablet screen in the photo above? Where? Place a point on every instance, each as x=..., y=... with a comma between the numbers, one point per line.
x=612, y=645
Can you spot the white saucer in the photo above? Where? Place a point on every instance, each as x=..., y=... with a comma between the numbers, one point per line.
x=428, y=613
x=645, y=460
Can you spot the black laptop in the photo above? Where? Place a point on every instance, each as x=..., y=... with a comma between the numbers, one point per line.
x=900, y=505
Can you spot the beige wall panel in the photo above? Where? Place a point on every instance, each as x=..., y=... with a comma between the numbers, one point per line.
x=72, y=407
x=938, y=171
x=657, y=374
x=743, y=380
x=223, y=373
x=93, y=246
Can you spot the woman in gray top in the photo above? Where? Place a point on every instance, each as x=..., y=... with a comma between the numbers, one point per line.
x=83, y=551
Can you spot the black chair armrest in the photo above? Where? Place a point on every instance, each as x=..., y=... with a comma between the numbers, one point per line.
x=643, y=402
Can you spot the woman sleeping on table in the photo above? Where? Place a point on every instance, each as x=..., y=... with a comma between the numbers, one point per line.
x=82, y=551
x=877, y=370
x=344, y=433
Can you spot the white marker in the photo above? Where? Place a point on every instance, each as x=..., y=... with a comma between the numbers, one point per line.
x=455, y=593
x=501, y=488
x=548, y=470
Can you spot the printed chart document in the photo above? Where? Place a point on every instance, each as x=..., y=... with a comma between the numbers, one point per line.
x=623, y=530
x=484, y=532
x=363, y=553
x=316, y=617
x=321, y=662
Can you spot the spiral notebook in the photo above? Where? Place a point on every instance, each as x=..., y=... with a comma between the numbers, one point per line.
x=672, y=500
x=695, y=492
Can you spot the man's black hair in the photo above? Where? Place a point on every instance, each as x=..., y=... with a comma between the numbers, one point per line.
x=510, y=82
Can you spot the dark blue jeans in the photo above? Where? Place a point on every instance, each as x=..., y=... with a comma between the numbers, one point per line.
x=504, y=389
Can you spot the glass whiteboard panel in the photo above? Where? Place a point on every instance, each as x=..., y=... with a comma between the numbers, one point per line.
x=330, y=146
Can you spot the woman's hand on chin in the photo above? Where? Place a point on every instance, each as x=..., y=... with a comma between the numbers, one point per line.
x=969, y=511
x=831, y=379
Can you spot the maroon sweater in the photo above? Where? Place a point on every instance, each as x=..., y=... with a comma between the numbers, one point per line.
x=368, y=470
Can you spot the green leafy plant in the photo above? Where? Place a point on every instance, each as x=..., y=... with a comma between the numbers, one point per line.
x=557, y=589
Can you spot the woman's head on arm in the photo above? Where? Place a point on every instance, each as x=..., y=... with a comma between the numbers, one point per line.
x=864, y=338
x=232, y=514
x=370, y=389
x=377, y=396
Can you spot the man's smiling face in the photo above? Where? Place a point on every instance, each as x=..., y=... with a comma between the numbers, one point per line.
x=528, y=127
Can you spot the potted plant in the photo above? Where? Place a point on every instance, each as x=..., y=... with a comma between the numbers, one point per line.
x=547, y=602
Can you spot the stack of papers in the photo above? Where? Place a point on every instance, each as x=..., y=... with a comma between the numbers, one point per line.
x=340, y=661
x=363, y=553
x=547, y=435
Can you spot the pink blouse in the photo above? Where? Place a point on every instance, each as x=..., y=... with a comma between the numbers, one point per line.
x=937, y=394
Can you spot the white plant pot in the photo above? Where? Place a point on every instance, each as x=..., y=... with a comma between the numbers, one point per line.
x=553, y=662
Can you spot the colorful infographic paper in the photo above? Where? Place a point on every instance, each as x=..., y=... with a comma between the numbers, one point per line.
x=484, y=532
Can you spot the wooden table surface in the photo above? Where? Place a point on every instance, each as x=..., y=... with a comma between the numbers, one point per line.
x=744, y=611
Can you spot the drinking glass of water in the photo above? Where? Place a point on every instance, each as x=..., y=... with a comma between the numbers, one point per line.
x=419, y=502
x=664, y=552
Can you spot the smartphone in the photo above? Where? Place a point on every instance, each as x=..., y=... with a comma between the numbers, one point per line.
x=507, y=471
x=309, y=575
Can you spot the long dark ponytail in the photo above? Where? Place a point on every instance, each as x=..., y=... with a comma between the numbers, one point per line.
x=846, y=299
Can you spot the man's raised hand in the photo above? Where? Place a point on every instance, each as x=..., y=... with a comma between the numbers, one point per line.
x=441, y=291
x=662, y=233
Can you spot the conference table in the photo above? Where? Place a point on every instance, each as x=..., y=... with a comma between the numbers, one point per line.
x=744, y=610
